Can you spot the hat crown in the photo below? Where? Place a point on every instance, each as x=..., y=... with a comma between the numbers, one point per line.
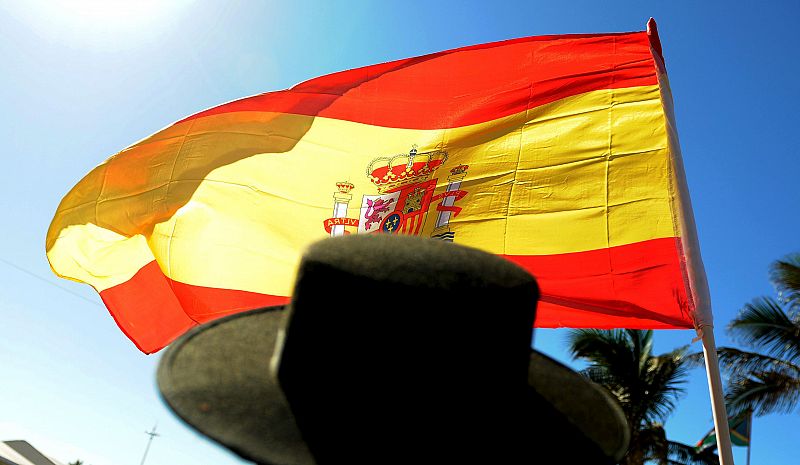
x=424, y=315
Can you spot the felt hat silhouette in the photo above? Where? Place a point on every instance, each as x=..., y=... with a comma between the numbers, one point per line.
x=392, y=350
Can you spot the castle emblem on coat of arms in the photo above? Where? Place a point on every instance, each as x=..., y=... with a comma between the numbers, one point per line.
x=405, y=186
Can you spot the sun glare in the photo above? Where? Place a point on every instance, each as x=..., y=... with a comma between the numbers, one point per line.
x=106, y=24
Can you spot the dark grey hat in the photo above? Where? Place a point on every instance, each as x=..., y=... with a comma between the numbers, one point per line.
x=393, y=350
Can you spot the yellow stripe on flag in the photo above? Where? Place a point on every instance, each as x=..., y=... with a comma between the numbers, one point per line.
x=583, y=173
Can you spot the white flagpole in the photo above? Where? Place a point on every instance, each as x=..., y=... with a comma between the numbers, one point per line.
x=717, y=400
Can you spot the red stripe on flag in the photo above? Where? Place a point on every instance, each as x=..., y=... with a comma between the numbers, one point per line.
x=630, y=286
x=153, y=310
x=466, y=86
x=638, y=285
x=147, y=310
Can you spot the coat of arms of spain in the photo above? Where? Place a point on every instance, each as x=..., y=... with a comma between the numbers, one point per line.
x=405, y=185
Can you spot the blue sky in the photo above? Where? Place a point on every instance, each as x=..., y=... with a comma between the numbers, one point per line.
x=80, y=82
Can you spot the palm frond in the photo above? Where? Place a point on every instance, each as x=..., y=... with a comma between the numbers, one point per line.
x=664, y=378
x=602, y=377
x=734, y=360
x=685, y=454
x=646, y=386
x=642, y=345
x=611, y=351
x=785, y=274
x=599, y=346
x=652, y=443
x=695, y=360
x=763, y=392
x=763, y=324
x=612, y=364
x=659, y=449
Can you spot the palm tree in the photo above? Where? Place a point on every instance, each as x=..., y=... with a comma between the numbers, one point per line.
x=768, y=379
x=647, y=387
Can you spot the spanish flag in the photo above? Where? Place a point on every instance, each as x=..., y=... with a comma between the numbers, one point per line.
x=556, y=152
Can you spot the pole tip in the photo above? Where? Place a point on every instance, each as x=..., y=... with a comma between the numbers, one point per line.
x=655, y=41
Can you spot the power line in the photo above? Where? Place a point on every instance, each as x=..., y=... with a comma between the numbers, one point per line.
x=42, y=278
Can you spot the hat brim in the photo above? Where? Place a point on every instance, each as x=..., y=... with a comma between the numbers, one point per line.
x=218, y=380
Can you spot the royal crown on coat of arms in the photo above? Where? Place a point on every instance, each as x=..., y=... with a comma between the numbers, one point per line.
x=344, y=187
x=395, y=172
